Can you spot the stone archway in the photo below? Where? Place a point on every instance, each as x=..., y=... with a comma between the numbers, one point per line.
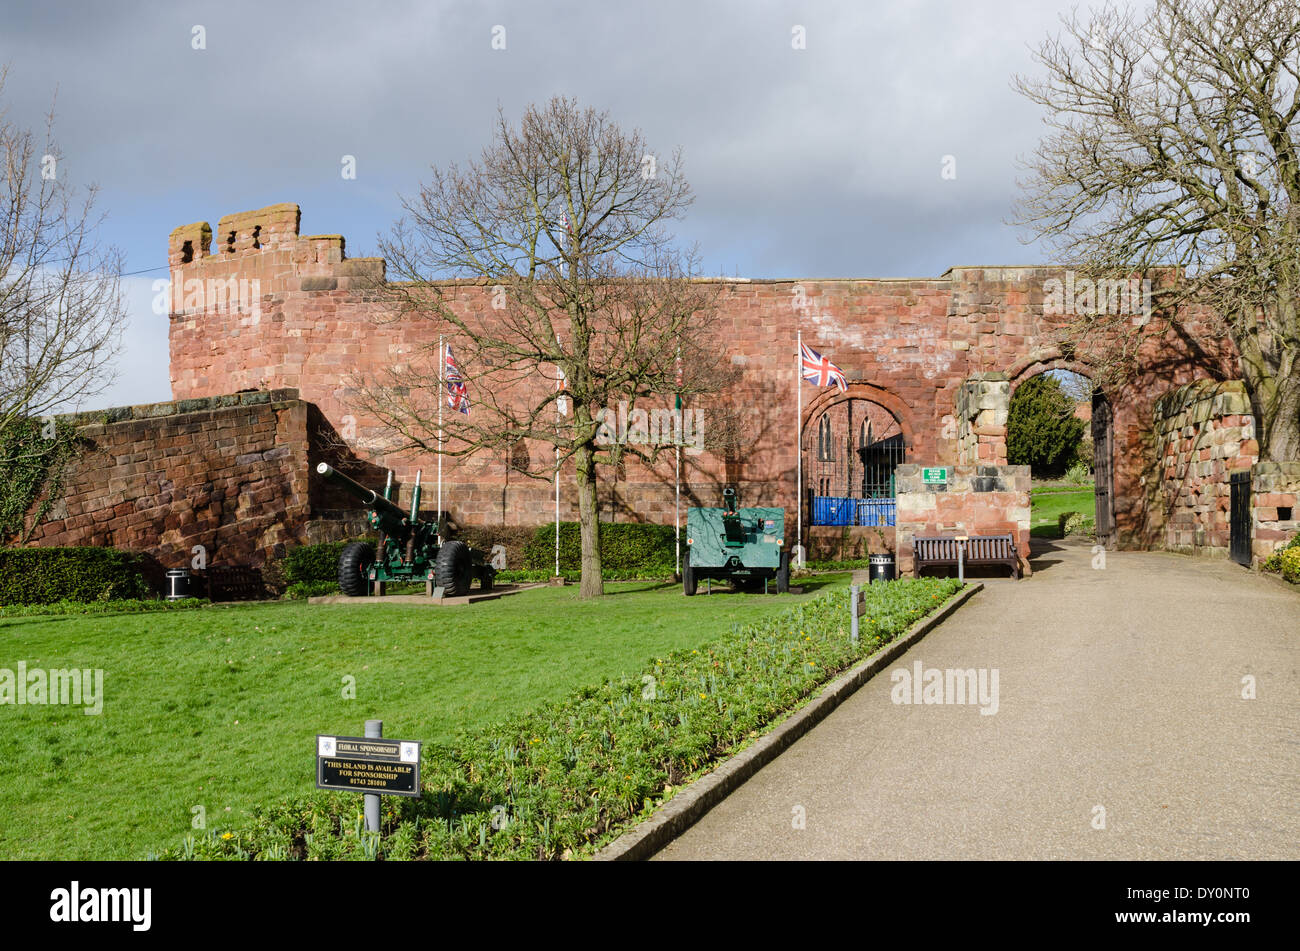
x=1101, y=421
x=852, y=442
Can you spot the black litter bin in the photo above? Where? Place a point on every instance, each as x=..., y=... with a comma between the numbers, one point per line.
x=178, y=584
x=882, y=568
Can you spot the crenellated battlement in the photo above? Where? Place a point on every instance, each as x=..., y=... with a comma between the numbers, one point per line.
x=267, y=240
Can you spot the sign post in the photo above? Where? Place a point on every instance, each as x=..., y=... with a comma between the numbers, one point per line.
x=374, y=730
x=369, y=765
x=854, y=593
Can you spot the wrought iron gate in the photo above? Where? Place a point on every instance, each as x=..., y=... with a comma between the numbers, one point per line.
x=1103, y=440
x=1239, y=518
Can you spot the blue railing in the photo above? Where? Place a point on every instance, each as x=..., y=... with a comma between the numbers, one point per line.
x=828, y=510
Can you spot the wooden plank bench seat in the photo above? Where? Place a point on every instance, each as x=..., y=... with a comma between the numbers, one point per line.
x=980, y=550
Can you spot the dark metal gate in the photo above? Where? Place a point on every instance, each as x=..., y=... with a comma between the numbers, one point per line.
x=1103, y=440
x=1239, y=518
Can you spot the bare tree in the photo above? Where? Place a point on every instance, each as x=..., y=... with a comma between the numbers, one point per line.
x=61, y=306
x=1174, y=145
x=563, y=219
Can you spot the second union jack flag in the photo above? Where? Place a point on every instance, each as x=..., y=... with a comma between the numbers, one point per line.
x=819, y=370
x=457, y=394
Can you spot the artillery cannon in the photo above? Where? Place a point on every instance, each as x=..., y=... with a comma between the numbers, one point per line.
x=408, y=548
x=742, y=545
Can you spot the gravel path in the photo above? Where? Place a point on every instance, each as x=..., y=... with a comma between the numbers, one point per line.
x=1119, y=689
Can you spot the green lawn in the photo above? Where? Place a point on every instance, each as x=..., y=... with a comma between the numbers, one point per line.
x=219, y=707
x=1049, y=504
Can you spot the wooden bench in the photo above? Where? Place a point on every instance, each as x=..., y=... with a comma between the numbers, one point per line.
x=981, y=550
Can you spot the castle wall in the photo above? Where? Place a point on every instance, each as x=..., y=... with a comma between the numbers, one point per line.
x=228, y=473
x=315, y=322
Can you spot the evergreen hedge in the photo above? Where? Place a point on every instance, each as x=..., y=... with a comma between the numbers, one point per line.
x=51, y=575
x=308, y=563
x=624, y=547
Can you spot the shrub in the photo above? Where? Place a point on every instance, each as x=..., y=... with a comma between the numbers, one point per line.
x=302, y=590
x=513, y=538
x=1078, y=523
x=851, y=564
x=559, y=781
x=1042, y=430
x=1274, y=561
x=625, y=547
x=1080, y=473
x=308, y=563
x=1290, y=565
x=50, y=575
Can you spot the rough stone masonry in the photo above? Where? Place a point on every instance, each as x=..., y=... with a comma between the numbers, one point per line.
x=931, y=362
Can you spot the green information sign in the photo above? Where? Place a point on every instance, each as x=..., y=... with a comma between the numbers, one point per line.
x=931, y=476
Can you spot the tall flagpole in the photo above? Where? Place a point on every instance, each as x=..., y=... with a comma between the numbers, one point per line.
x=677, y=504
x=798, y=428
x=559, y=377
x=677, y=511
x=442, y=396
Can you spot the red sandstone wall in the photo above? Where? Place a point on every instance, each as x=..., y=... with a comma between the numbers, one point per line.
x=976, y=500
x=905, y=344
x=1275, y=506
x=1204, y=431
x=228, y=473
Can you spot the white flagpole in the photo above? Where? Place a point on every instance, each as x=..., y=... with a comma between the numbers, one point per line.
x=677, y=504
x=557, y=511
x=442, y=395
x=798, y=428
x=677, y=512
x=559, y=376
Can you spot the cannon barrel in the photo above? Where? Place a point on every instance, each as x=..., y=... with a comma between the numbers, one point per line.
x=367, y=497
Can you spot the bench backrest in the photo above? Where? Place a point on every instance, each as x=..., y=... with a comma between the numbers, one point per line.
x=978, y=548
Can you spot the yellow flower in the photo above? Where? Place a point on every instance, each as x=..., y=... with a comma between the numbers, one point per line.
x=704, y=696
x=227, y=835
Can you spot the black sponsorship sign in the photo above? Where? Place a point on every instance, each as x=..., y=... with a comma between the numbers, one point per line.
x=368, y=765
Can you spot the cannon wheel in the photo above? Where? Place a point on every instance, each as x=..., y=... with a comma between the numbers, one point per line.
x=783, y=574
x=354, y=569
x=454, y=569
x=688, y=577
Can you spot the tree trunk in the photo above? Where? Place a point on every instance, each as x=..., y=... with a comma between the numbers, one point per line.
x=1279, y=436
x=1274, y=398
x=593, y=586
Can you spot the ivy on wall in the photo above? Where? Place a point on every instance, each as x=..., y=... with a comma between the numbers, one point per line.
x=33, y=456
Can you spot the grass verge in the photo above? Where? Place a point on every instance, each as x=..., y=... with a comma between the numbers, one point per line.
x=209, y=713
x=560, y=781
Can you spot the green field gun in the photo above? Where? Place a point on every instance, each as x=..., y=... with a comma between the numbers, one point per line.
x=745, y=546
x=408, y=548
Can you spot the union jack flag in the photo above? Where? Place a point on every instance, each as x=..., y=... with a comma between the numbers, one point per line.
x=820, y=371
x=457, y=393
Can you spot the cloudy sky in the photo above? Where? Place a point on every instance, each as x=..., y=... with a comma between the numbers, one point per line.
x=818, y=162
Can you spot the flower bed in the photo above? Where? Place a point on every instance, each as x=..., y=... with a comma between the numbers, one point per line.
x=562, y=780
